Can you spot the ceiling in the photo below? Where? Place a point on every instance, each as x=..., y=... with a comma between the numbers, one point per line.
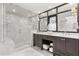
x=37, y=7
x=17, y=10
x=31, y=9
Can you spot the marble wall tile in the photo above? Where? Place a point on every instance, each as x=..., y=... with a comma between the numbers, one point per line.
x=1, y=22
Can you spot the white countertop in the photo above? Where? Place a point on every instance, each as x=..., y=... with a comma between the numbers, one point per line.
x=68, y=35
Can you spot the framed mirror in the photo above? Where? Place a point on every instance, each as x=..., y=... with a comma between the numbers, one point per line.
x=63, y=18
x=67, y=22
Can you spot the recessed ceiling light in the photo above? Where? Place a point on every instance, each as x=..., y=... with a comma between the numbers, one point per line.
x=70, y=3
x=13, y=10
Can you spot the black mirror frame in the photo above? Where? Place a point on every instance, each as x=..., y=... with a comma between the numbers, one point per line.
x=57, y=17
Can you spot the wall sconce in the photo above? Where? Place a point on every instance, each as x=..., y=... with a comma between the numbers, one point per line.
x=74, y=9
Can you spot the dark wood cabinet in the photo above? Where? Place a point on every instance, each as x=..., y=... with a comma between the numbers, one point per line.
x=62, y=46
x=37, y=40
x=66, y=46
x=59, y=46
x=70, y=47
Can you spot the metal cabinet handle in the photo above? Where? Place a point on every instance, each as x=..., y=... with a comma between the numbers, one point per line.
x=62, y=39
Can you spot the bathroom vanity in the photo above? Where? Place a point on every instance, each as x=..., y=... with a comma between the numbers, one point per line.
x=63, y=29
x=63, y=45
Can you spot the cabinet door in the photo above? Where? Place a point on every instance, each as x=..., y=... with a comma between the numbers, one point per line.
x=60, y=46
x=37, y=41
x=34, y=39
x=70, y=47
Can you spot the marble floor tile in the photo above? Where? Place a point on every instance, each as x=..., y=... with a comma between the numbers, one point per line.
x=32, y=51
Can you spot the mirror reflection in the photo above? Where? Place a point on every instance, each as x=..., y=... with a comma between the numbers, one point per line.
x=52, y=24
x=43, y=24
x=60, y=19
x=67, y=22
